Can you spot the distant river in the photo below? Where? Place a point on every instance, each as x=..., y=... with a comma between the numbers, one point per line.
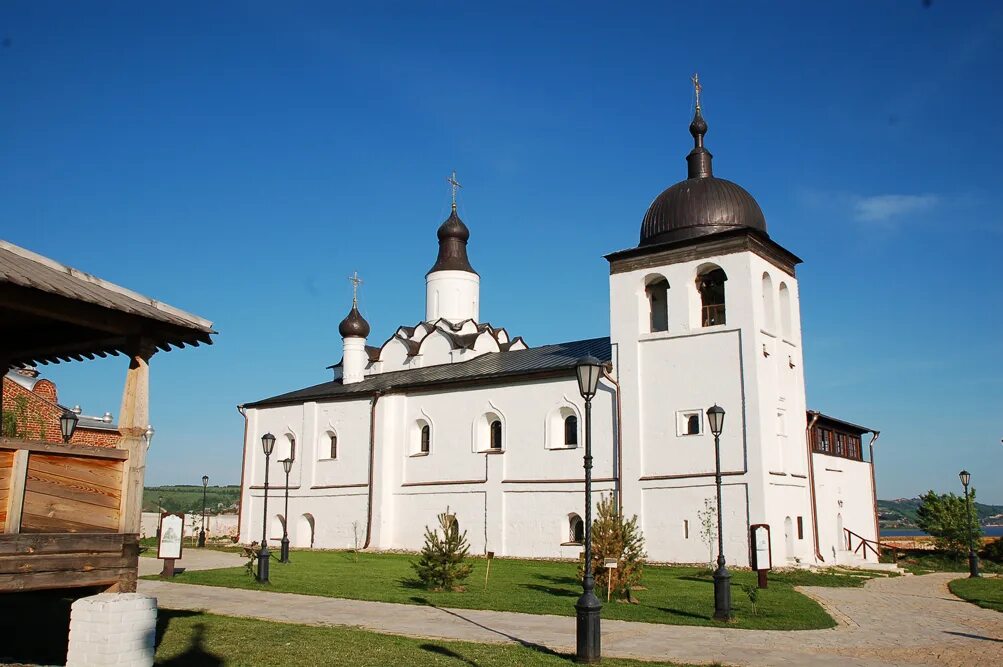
x=988, y=531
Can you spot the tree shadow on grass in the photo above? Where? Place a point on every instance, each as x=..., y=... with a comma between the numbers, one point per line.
x=698, y=579
x=196, y=655
x=684, y=613
x=448, y=653
x=570, y=581
x=550, y=590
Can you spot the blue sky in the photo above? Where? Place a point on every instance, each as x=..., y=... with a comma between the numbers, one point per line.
x=240, y=160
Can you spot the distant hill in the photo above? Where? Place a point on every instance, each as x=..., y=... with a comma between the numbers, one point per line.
x=188, y=497
x=901, y=513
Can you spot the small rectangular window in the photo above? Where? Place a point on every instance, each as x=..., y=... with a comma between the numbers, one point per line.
x=426, y=439
x=686, y=528
x=334, y=446
x=689, y=422
x=800, y=528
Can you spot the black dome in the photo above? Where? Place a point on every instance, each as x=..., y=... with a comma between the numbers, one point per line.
x=701, y=205
x=354, y=325
x=453, y=236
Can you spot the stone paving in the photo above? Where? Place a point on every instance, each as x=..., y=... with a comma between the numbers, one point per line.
x=898, y=621
x=193, y=559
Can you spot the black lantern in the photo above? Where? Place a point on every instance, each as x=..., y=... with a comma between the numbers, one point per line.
x=67, y=425
x=722, y=578
x=287, y=466
x=588, y=631
x=205, y=483
x=267, y=445
x=973, y=558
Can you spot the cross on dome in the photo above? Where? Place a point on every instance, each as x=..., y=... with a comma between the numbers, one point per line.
x=356, y=281
x=696, y=87
x=454, y=184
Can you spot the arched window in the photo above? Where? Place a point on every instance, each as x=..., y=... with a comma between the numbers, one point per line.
x=292, y=445
x=693, y=424
x=426, y=439
x=496, y=434
x=334, y=445
x=785, y=311
x=710, y=284
x=657, y=292
x=571, y=431
x=768, y=311
x=576, y=529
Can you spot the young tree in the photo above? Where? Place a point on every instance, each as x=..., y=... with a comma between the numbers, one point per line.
x=708, y=527
x=947, y=519
x=440, y=566
x=615, y=537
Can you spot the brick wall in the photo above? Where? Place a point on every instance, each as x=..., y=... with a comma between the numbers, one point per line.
x=38, y=416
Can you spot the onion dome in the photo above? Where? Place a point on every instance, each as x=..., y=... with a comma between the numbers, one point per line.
x=702, y=204
x=453, y=236
x=355, y=325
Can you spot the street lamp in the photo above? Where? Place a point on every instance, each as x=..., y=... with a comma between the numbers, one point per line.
x=67, y=425
x=973, y=559
x=205, y=483
x=589, y=644
x=287, y=465
x=267, y=444
x=722, y=578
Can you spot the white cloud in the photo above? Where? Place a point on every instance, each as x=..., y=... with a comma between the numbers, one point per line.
x=884, y=208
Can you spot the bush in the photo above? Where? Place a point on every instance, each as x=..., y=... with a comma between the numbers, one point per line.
x=993, y=551
x=947, y=518
x=613, y=537
x=440, y=566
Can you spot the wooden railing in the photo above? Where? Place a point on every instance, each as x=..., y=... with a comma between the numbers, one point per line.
x=863, y=544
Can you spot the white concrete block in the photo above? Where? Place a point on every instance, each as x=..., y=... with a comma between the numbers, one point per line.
x=112, y=629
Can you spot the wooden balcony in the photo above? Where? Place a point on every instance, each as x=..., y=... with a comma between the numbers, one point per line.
x=61, y=509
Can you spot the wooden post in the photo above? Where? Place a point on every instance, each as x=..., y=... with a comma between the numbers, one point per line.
x=134, y=418
x=15, y=494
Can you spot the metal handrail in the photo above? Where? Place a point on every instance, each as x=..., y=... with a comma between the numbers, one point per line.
x=866, y=544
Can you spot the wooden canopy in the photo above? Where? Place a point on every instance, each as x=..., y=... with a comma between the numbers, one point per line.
x=51, y=312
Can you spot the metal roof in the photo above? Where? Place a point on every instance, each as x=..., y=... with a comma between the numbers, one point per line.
x=81, y=315
x=557, y=359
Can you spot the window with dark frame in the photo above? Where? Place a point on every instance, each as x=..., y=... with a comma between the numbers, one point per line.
x=426, y=439
x=686, y=529
x=496, y=434
x=693, y=425
x=334, y=446
x=800, y=528
x=710, y=285
x=577, y=532
x=571, y=431
x=840, y=444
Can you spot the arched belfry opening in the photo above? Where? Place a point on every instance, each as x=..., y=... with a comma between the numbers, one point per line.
x=710, y=284
x=657, y=291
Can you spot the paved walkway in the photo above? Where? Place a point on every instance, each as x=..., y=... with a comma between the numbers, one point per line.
x=193, y=559
x=899, y=621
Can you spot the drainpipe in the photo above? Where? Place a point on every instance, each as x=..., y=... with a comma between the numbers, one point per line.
x=619, y=439
x=874, y=492
x=372, y=456
x=243, y=465
x=811, y=485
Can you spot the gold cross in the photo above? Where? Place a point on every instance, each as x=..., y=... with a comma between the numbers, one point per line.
x=356, y=281
x=697, y=87
x=454, y=184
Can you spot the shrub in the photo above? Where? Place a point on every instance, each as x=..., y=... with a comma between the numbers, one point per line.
x=614, y=537
x=946, y=517
x=752, y=592
x=993, y=551
x=440, y=566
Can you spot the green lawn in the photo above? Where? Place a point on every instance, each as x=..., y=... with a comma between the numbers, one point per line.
x=985, y=591
x=675, y=595
x=195, y=638
x=924, y=561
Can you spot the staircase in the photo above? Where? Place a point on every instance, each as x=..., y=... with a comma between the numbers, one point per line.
x=857, y=551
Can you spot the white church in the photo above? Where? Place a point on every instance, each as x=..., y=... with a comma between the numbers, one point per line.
x=454, y=412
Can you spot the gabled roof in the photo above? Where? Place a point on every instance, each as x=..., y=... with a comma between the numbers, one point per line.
x=494, y=367
x=52, y=312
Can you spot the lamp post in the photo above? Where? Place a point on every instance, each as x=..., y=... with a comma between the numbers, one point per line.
x=589, y=636
x=67, y=425
x=287, y=465
x=973, y=559
x=205, y=483
x=722, y=578
x=267, y=444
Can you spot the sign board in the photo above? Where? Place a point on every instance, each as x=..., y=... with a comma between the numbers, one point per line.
x=491, y=554
x=609, y=563
x=172, y=531
x=762, y=555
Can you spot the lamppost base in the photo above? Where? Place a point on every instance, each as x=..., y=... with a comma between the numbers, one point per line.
x=263, y=557
x=722, y=594
x=201, y=543
x=588, y=631
x=973, y=566
x=284, y=551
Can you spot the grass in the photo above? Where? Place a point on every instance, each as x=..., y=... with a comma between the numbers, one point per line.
x=673, y=595
x=925, y=561
x=196, y=638
x=985, y=591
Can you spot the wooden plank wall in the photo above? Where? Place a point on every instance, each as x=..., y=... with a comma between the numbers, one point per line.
x=6, y=463
x=38, y=562
x=66, y=494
